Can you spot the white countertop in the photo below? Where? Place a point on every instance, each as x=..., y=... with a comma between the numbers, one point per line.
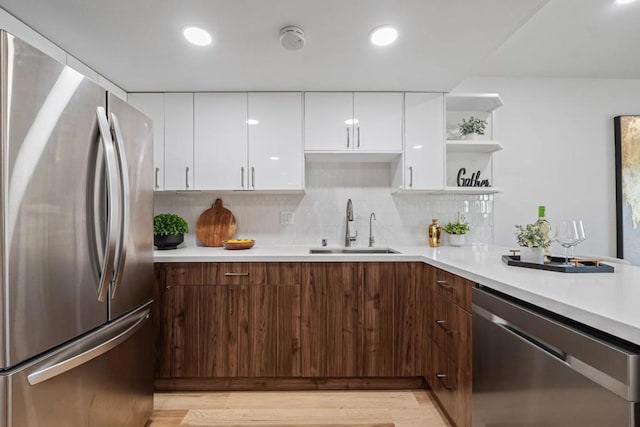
x=609, y=302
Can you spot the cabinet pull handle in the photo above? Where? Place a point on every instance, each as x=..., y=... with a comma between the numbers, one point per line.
x=348, y=141
x=242, y=177
x=253, y=177
x=157, y=172
x=235, y=274
x=441, y=378
x=358, y=136
x=410, y=176
x=443, y=284
x=441, y=323
x=186, y=174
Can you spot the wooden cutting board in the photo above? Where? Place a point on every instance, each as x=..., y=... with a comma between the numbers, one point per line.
x=215, y=225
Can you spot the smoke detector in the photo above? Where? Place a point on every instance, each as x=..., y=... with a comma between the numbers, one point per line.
x=292, y=38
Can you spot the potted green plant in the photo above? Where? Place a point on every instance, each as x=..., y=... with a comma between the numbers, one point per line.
x=533, y=241
x=457, y=232
x=470, y=129
x=168, y=231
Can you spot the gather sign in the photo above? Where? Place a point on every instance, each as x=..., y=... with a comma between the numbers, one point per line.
x=474, y=181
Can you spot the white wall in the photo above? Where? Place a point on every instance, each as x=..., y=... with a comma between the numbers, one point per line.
x=558, y=151
x=320, y=213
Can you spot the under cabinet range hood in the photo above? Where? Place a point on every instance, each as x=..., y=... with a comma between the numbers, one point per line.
x=76, y=272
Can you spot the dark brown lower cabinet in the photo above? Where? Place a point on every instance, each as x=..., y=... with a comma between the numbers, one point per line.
x=450, y=368
x=330, y=319
x=226, y=330
x=364, y=320
x=255, y=325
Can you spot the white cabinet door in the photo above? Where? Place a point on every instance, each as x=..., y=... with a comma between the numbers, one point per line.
x=275, y=141
x=379, y=126
x=178, y=141
x=220, y=141
x=152, y=105
x=424, y=141
x=328, y=121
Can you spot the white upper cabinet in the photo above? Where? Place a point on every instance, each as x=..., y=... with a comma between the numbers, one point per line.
x=178, y=141
x=220, y=141
x=328, y=121
x=379, y=121
x=424, y=154
x=350, y=122
x=275, y=141
x=152, y=105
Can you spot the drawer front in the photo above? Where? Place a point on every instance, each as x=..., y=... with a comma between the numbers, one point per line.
x=452, y=387
x=233, y=273
x=442, y=379
x=451, y=331
x=453, y=287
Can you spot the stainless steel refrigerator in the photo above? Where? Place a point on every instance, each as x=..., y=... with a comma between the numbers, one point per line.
x=76, y=266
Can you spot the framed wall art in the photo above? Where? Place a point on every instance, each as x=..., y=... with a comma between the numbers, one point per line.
x=627, y=136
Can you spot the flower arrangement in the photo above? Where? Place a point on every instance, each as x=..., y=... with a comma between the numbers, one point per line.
x=532, y=236
x=456, y=228
x=473, y=125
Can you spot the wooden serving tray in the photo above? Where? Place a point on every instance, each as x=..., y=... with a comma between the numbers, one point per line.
x=584, y=266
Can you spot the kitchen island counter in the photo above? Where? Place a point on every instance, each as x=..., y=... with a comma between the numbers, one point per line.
x=604, y=301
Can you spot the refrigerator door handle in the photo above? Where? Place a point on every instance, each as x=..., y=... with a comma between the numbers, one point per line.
x=59, y=368
x=124, y=186
x=106, y=272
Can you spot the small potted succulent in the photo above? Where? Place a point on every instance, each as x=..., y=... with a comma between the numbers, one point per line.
x=457, y=232
x=168, y=231
x=470, y=129
x=533, y=241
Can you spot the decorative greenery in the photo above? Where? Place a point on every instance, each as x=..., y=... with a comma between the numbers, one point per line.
x=474, y=125
x=456, y=228
x=164, y=224
x=532, y=236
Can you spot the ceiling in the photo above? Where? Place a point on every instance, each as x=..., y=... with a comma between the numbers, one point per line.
x=138, y=44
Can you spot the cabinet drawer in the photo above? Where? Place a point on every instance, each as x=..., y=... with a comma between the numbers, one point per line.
x=452, y=387
x=232, y=273
x=451, y=331
x=453, y=287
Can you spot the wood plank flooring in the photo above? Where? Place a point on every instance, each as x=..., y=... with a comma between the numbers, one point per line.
x=406, y=408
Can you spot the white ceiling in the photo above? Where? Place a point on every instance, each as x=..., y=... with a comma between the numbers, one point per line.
x=138, y=44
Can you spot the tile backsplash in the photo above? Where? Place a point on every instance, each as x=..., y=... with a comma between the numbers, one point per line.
x=320, y=213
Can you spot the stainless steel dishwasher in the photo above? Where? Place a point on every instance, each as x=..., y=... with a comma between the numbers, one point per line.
x=532, y=368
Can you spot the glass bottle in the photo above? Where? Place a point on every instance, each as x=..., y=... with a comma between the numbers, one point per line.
x=435, y=234
x=545, y=226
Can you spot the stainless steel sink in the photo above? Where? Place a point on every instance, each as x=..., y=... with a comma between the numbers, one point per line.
x=353, y=251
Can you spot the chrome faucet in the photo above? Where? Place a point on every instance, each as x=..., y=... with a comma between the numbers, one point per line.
x=372, y=218
x=348, y=238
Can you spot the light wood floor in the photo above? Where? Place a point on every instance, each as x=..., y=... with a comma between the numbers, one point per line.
x=406, y=408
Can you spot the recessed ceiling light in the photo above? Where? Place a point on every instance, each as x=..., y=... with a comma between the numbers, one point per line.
x=252, y=122
x=624, y=1
x=351, y=121
x=383, y=36
x=417, y=147
x=274, y=158
x=197, y=36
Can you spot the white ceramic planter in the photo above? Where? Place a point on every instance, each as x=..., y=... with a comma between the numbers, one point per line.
x=471, y=136
x=534, y=255
x=457, y=239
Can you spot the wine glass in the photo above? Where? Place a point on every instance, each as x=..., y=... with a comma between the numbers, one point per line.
x=581, y=235
x=567, y=235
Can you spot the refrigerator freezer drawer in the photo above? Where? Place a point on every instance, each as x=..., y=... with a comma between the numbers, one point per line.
x=104, y=379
